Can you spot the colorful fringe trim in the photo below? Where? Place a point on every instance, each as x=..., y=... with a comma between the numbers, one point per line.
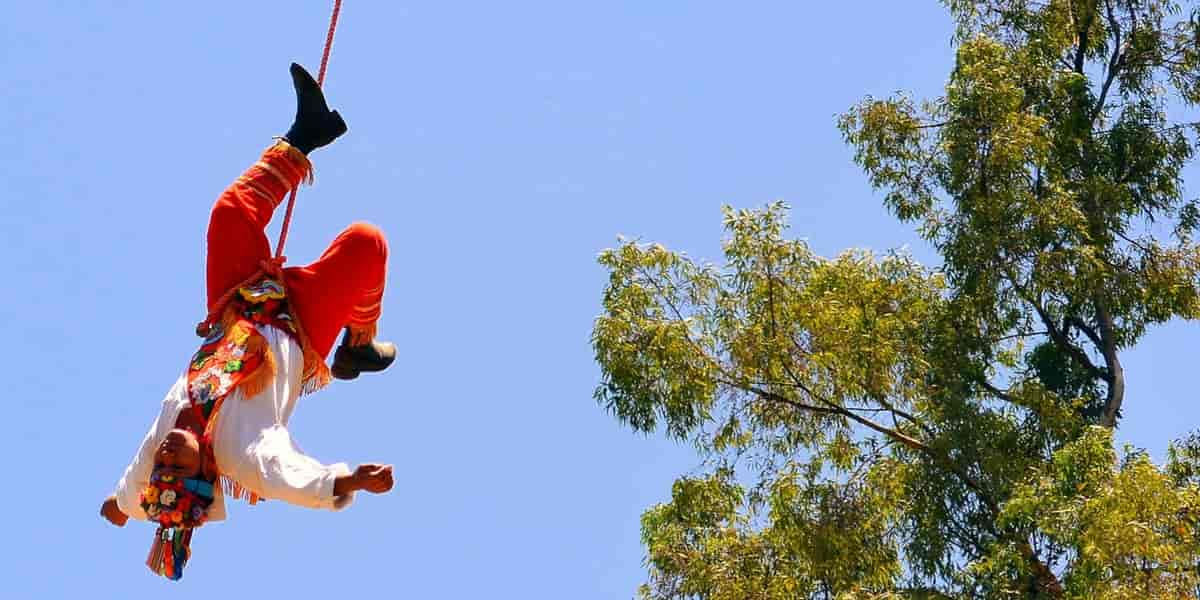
x=361, y=335
x=170, y=552
x=296, y=169
x=233, y=489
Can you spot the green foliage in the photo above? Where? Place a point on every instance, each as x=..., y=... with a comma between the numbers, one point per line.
x=877, y=429
x=1128, y=529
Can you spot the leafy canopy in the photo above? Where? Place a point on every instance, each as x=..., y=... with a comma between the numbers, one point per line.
x=874, y=428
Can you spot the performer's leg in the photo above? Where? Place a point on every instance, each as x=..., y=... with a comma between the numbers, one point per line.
x=236, y=238
x=342, y=289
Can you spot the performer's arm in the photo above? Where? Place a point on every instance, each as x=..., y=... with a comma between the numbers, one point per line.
x=136, y=477
x=127, y=495
x=277, y=469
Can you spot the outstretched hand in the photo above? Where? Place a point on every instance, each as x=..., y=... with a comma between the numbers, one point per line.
x=373, y=478
x=110, y=511
x=369, y=477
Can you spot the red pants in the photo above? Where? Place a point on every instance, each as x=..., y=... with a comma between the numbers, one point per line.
x=343, y=288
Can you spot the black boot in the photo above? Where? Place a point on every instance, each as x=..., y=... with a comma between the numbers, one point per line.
x=349, y=361
x=315, y=124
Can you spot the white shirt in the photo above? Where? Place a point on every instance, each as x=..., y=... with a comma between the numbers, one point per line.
x=250, y=441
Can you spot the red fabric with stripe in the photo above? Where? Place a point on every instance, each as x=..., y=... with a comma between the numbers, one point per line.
x=344, y=287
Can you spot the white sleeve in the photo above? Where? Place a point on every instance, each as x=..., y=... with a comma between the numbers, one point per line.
x=276, y=468
x=137, y=477
x=137, y=474
x=254, y=448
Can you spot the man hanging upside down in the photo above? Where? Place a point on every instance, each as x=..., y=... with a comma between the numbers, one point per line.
x=222, y=429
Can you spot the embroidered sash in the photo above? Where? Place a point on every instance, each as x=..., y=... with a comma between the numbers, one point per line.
x=235, y=355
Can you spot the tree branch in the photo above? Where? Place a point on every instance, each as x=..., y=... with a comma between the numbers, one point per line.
x=1114, y=62
x=1116, y=380
x=936, y=125
x=834, y=408
x=1087, y=330
x=896, y=412
x=1044, y=578
x=997, y=392
x=908, y=441
x=1018, y=336
x=923, y=593
x=1057, y=335
x=1083, y=32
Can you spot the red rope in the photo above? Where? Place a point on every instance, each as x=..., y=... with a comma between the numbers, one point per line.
x=287, y=216
x=337, y=9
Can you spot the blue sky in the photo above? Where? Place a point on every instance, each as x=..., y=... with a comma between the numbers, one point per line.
x=501, y=146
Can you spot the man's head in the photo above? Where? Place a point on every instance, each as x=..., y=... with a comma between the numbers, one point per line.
x=179, y=455
x=181, y=488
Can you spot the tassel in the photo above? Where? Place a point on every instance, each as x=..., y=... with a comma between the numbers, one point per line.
x=170, y=552
x=316, y=374
x=236, y=491
x=154, y=559
x=263, y=374
x=187, y=546
x=180, y=551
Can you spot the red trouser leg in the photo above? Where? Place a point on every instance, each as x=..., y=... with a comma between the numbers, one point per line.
x=342, y=288
x=237, y=241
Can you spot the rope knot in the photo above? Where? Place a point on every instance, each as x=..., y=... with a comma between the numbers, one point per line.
x=273, y=266
x=270, y=267
x=203, y=328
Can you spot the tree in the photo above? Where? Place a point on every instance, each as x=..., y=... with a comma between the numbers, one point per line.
x=875, y=428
